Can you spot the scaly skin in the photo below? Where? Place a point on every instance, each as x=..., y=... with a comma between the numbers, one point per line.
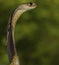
x=13, y=58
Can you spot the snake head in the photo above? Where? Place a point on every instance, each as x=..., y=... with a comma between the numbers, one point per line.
x=27, y=6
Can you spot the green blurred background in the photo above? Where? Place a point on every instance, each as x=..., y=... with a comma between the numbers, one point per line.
x=36, y=33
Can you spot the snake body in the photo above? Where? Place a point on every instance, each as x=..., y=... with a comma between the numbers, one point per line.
x=13, y=58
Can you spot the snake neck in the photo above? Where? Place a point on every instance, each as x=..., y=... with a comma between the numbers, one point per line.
x=13, y=58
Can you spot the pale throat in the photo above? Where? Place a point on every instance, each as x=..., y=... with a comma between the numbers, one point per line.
x=16, y=16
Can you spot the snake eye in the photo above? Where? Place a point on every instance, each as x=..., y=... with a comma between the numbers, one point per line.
x=30, y=4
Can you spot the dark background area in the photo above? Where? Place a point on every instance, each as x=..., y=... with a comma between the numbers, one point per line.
x=36, y=33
